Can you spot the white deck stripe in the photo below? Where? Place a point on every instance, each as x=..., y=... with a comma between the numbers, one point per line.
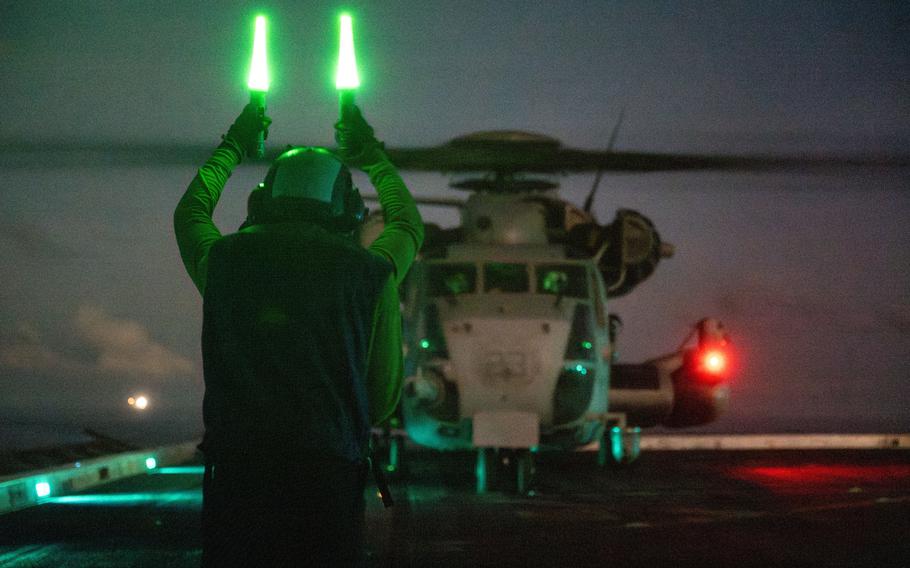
x=775, y=442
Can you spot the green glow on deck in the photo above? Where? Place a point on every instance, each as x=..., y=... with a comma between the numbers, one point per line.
x=346, y=76
x=126, y=499
x=258, y=79
x=480, y=470
x=182, y=470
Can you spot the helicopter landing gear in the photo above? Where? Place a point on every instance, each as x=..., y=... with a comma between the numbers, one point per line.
x=389, y=446
x=394, y=465
x=507, y=469
x=619, y=445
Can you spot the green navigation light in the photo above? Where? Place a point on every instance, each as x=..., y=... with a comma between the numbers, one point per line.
x=581, y=369
x=258, y=79
x=346, y=76
x=616, y=446
x=586, y=344
x=425, y=343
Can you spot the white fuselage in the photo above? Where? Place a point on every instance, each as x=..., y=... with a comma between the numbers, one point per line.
x=490, y=334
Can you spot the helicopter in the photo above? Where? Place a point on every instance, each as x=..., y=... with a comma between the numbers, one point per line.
x=510, y=347
x=509, y=344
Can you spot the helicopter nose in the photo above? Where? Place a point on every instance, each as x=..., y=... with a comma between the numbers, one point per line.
x=507, y=367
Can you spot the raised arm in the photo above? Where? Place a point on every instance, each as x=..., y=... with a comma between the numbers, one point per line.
x=399, y=242
x=193, y=225
x=402, y=235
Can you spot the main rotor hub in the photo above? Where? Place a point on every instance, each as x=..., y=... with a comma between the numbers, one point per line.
x=512, y=139
x=495, y=147
x=504, y=183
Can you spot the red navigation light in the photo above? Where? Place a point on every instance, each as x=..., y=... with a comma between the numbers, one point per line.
x=709, y=365
x=714, y=361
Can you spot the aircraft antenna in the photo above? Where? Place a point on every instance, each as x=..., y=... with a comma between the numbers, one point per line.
x=589, y=201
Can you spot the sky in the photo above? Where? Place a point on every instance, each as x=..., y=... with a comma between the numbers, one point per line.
x=809, y=271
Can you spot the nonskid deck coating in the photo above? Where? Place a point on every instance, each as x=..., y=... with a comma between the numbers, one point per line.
x=701, y=508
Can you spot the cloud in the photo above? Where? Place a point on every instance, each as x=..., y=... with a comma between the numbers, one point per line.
x=125, y=347
x=114, y=347
x=27, y=352
x=33, y=240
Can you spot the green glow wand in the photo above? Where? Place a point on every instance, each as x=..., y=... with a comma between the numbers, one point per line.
x=346, y=78
x=258, y=79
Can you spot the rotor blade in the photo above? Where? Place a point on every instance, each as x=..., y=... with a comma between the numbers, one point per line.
x=566, y=160
x=503, y=158
x=48, y=155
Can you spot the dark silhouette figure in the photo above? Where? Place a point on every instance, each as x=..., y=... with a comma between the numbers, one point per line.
x=301, y=344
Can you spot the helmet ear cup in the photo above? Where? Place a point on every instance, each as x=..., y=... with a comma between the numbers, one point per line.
x=354, y=211
x=256, y=205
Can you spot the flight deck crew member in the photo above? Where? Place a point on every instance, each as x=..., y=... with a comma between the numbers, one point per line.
x=301, y=345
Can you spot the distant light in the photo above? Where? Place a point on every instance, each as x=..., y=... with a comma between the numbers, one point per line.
x=587, y=344
x=151, y=463
x=425, y=343
x=42, y=489
x=131, y=401
x=581, y=369
x=142, y=402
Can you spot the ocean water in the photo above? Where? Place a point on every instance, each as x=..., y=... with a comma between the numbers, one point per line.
x=23, y=435
x=18, y=434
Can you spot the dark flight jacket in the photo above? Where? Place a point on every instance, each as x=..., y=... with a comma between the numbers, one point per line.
x=301, y=327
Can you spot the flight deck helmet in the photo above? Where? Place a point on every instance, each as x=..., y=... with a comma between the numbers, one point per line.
x=307, y=184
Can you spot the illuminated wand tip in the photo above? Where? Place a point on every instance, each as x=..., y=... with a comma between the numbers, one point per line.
x=346, y=77
x=258, y=79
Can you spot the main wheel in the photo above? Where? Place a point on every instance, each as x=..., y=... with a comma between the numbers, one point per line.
x=619, y=446
x=524, y=470
x=482, y=469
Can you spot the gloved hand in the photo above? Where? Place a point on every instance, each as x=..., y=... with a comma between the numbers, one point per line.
x=245, y=130
x=356, y=143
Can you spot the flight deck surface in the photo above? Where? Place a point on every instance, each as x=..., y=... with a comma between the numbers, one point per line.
x=693, y=508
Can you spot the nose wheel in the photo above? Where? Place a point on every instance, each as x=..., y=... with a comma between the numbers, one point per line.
x=619, y=445
x=504, y=469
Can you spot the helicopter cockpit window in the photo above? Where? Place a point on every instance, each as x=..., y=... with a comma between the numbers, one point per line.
x=452, y=279
x=568, y=280
x=505, y=277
